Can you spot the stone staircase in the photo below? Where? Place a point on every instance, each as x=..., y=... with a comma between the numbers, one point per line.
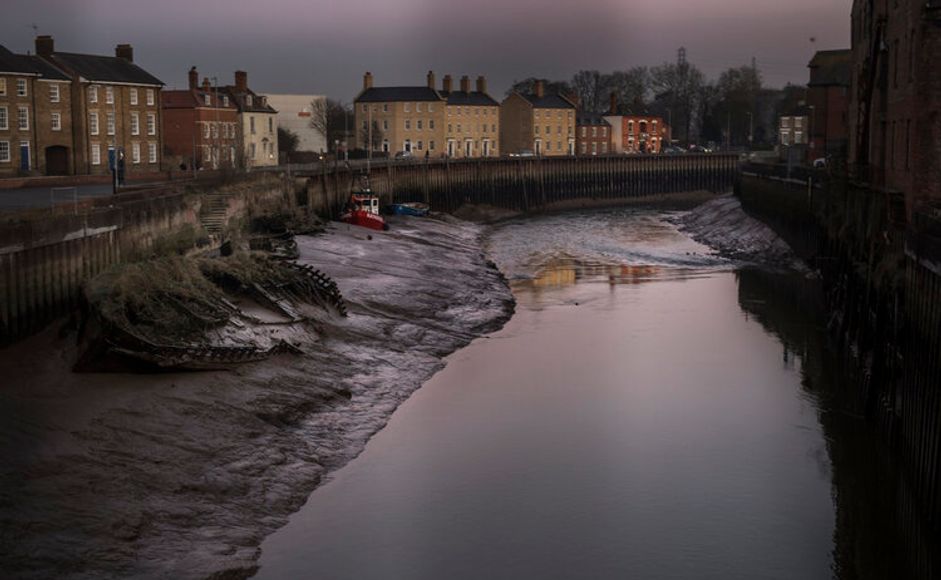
x=212, y=214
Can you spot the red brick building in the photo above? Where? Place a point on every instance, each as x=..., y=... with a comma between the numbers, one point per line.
x=593, y=134
x=895, y=96
x=828, y=103
x=636, y=132
x=200, y=126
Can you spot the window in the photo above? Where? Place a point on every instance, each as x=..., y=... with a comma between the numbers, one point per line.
x=493, y=128
x=559, y=144
x=207, y=100
x=458, y=127
x=21, y=87
x=385, y=124
x=109, y=95
x=56, y=121
x=3, y=90
x=584, y=131
x=604, y=147
x=150, y=97
x=431, y=145
x=364, y=108
x=594, y=131
x=109, y=122
x=584, y=147
x=151, y=123
x=215, y=131
x=408, y=124
x=133, y=96
x=548, y=145
x=54, y=93
x=385, y=107
x=431, y=123
x=536, y=127
x=271, y=124
x=537, y=114
x=4, y=122
x=251, y=122
x=630, y=127
x=205, y=130
x=92, y=94
x=419, y=126
x=548, y=130
x=135, y=124
x=135, y=153
x=418, y=110
x=594, y=148
x=22, y=118
x=4, y=151
x=450, y=128
x=252, y=150
x=421, y=145
x=95, y=154
x=93, y=123
x=152, y=152
x=431, y=109
x=407, y=107
x=225, y=102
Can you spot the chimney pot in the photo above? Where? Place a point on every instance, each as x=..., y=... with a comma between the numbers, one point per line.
x=540, y=90
x=481, y=84
x=45, y=45
x=367, y=80
x=431, y=79
x=193, y=78
x=446, y=83
x=465, y=84
x=241, y=81
x=125, y=51
x=206, y=86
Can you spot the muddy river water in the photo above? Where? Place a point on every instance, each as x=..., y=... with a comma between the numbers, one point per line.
x=650, y=411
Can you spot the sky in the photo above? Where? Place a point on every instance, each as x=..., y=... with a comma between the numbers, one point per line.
x=325, y=46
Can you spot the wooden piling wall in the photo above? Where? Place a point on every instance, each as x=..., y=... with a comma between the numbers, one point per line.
x=526, y=184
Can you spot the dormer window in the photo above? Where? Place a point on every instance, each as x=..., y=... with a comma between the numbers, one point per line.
x=225, y=100
x=207, y=99
x=248, y=100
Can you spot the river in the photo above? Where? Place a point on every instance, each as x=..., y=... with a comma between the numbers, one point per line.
x=651, y=410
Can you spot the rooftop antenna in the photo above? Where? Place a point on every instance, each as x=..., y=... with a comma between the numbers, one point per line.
x=35, y=29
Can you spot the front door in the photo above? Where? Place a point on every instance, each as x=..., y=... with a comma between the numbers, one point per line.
x=57, y=160
x=450, y=148
x=468, y=148
x=24, y=155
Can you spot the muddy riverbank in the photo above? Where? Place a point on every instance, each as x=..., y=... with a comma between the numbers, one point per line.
x=183, y=475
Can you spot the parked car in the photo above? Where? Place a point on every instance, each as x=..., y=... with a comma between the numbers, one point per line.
x=523, y=153
x=820, y=163
x=673, y=150
x=403, y=155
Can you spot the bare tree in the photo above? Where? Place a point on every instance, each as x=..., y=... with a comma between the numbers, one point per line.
x=588, y=86
x=331, y=120
x=376, y=134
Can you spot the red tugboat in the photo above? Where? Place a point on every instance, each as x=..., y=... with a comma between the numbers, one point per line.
x=363, y=209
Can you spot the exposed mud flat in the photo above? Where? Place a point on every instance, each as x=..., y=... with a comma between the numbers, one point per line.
x=183, y=475
x=722, y=224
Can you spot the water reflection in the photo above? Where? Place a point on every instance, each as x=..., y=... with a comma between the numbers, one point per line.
x=879, y=532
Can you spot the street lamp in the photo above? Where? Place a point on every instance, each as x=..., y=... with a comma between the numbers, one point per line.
x=751, y=128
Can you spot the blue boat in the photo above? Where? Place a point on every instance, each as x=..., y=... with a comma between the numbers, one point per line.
x=412, y=208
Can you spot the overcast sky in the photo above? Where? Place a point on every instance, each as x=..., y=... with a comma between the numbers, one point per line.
x=324, y=46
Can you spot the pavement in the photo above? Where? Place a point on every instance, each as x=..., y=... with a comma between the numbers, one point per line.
x=38, y=197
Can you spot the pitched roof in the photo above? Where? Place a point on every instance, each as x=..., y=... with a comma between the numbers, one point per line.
x=831, y=67
x=395, y=94
x=46, y=70
x=473, y=98
x=105, y=69
x=192, y=99
x=589, y=118
x=14, y=63
x=554, y=101
x=240, y=99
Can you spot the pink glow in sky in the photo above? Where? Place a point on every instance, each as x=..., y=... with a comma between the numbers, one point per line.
x=324, y=47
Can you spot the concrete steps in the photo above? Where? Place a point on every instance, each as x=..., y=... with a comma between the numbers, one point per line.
x=213, y=213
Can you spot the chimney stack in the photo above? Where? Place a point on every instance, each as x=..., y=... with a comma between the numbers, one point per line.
x=241, y=81
x=45, y=45
x=125, y=51
x=206, y=86
x=613, y=109
x=465, y=84
x=446, y=84
x=481, y=84
x=431, y=79
x=367, y=81
x=193, y=78
x=540, y=90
